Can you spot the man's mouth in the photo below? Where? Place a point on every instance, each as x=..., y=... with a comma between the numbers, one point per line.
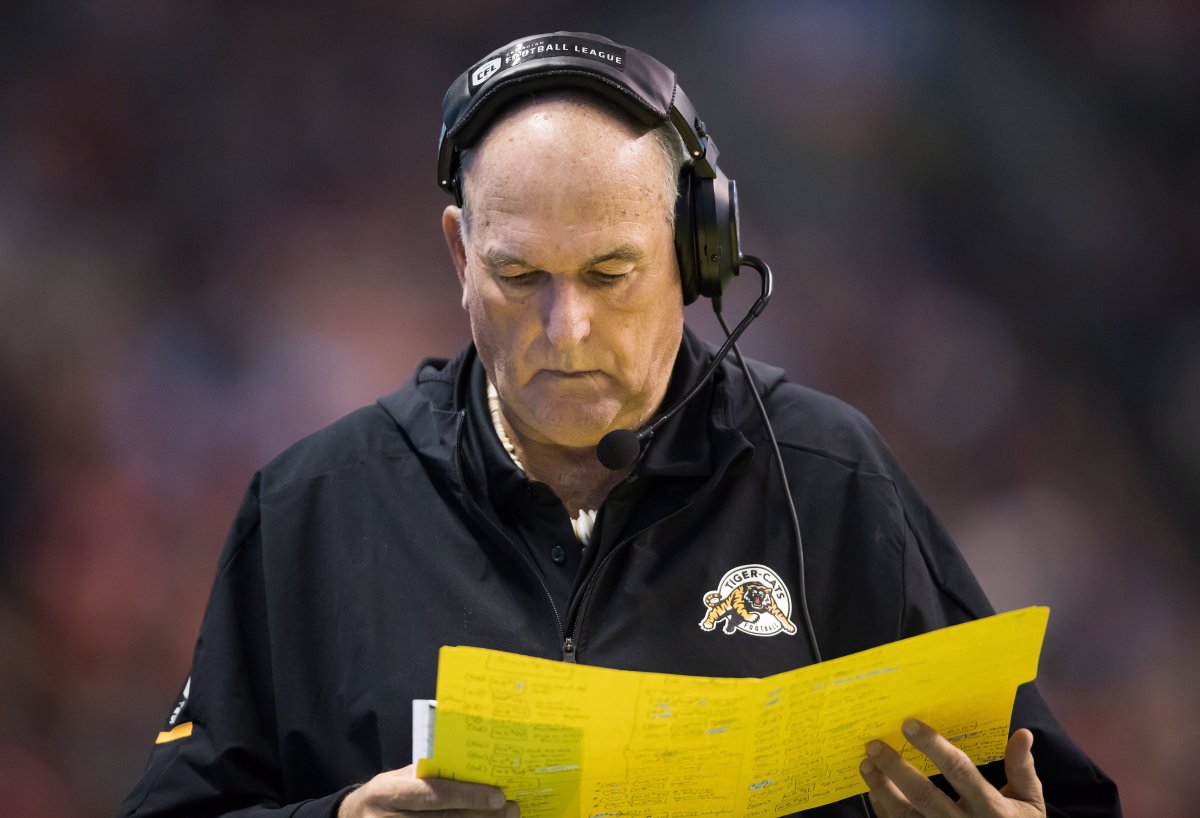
x=577, y=373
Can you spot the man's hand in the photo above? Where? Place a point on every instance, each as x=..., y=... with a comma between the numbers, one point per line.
x=401, y=793
x=899, y=791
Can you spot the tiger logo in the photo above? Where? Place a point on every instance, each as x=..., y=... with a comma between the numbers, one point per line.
x=751, y=599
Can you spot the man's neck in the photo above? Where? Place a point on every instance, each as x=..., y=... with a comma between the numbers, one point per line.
x=575, y=475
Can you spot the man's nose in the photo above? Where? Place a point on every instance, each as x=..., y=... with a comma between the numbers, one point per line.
x=567, y=313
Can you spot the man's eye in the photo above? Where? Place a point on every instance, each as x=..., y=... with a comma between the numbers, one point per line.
x=520, y=279
x=608, y=279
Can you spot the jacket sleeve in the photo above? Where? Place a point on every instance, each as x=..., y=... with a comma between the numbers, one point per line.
x=218, y=755
x=940, y=590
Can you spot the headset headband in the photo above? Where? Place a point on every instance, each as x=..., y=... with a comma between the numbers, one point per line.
x=635, y=82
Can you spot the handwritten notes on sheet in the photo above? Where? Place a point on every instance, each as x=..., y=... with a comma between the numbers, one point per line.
x=575, y=740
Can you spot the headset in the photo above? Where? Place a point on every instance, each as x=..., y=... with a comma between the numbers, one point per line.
x=706, y=217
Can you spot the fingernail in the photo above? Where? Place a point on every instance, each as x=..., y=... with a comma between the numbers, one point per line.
x=874, y=748
x=866, y=768
x=496, y=800
x=910, y=728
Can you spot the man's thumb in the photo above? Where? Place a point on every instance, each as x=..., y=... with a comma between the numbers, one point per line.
x=1023, y=782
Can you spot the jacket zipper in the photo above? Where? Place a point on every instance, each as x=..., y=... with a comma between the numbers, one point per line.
x=568, y=644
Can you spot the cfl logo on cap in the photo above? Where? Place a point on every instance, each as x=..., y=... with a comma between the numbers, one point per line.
x=479, y=75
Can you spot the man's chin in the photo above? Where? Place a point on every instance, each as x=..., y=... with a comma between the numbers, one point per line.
x=569, y=421
x=574, y=438
x=573, y=430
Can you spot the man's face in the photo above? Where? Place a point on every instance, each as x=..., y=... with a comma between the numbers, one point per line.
x=568, y=271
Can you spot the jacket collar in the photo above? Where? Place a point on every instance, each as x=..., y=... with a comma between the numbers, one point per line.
x=687, y=444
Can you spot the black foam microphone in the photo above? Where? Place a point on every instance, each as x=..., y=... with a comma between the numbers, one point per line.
x=620, y=448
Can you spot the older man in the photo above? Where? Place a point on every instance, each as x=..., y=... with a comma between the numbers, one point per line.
x=469, y=507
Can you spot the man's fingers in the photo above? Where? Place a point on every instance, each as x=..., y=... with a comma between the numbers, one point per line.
x=900, y=787
x=956, y=766
x=886, y=800
x=425, y=794
x=399, y=792
x=1023, y=782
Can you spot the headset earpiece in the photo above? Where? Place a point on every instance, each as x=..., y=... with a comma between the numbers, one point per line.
x=706, y=234
x=721, y=249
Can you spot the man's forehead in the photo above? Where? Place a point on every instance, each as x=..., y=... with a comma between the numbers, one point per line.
x=580, y=196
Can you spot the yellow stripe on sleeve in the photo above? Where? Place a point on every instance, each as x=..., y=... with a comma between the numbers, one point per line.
x=177, y=732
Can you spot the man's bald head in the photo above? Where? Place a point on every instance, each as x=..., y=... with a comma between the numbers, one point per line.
x=581, y=119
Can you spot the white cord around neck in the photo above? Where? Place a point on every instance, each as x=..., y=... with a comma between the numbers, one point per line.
x=494, y=409
x=584, y=520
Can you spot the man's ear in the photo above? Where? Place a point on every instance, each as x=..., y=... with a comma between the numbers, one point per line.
x=452, y=230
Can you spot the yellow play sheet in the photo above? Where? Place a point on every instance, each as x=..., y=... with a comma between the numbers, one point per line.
x=574, y=740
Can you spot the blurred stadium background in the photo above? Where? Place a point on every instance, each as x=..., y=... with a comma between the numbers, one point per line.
x=219, y=230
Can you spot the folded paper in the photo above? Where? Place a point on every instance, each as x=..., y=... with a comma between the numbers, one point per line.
x=567, y=740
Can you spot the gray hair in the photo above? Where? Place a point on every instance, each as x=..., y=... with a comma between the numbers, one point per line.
x=665, y=137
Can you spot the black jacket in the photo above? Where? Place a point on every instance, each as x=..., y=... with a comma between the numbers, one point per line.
x=403, y=527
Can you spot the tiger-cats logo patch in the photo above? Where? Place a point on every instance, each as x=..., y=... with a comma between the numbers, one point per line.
x=751, y=599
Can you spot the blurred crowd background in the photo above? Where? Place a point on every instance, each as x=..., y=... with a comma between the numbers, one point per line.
x=219, y=230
